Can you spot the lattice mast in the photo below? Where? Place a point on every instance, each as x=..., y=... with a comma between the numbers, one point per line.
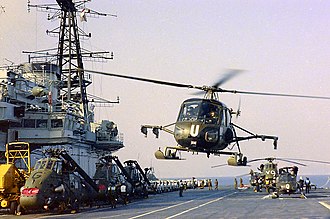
x=69, y=56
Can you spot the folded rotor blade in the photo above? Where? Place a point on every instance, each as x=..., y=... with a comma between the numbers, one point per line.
x=308, y=160
x=290, y=161
x=219, y=165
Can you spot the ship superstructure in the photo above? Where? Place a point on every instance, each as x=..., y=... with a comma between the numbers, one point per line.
x=45, y=103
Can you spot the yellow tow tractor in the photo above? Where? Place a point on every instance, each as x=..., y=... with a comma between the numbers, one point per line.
x=14, y=173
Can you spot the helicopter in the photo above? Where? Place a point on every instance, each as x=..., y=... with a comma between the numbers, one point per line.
x=205, y=124
x=138, y=178
x=57, y=182
x=286, y=182
x=273, y=179
x=269, y=172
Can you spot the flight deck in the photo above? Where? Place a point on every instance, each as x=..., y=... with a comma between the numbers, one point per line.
x=203, y=203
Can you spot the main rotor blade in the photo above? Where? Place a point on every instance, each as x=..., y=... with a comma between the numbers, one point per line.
x=144, y=79
x=246, y=174
x=290, y=161
x=229, y=75
x=258, y=159
x=307, y=160
x=219, y=165
x=272, y=94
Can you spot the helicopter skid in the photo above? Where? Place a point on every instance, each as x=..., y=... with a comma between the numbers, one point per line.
x=170, y=153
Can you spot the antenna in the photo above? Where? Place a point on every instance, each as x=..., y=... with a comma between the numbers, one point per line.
x=69, y=55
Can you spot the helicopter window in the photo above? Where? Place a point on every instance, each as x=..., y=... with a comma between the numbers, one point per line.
x=114, y=169
x=49, y=164
x=189, y=111
x=42, y=164
x=286, y=178
x=58, y=167
x=37, y=166
x=209, y=113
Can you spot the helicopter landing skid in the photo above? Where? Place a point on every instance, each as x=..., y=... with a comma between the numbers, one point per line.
x=170, y=153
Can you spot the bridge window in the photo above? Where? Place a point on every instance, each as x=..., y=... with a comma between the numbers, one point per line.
x=56, y=123
x=41, y=123
x=29, y=123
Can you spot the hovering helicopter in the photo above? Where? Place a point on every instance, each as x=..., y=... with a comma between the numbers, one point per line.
x=205, y=124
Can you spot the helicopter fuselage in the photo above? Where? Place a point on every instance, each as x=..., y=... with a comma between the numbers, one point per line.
x=41, y=184
x=286, y=182
x=203, y=125
x=49, y=186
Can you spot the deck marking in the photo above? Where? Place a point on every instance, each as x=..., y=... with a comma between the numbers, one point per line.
x=215, y=200
x=162, y=209
x=325, y=205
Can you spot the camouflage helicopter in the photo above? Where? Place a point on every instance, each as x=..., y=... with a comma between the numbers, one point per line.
x=138, y=178
x=57, y=182
x=269, y=172
x=266, y=174
x=120, y=182
x=286, y=182
x=109, y=179
x=205, y=124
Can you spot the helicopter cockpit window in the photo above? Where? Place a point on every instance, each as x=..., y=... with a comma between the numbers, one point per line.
x=209, y=113
x=50, y=164
x=286, y=178
x=37, y=165
x=202, y=111
x=58, y=167
x=189, y=112
x=270, y=166
x=41, y=164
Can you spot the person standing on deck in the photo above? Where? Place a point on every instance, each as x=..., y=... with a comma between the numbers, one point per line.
x=216, y=184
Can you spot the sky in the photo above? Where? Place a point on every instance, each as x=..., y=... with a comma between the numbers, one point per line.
x=282, y=46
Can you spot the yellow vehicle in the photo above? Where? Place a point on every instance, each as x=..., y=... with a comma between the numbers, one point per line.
x=14, y=173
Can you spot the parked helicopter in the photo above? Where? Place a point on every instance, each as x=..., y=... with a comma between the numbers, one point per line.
x=269, y=172
x=286, y=182
x=57, y=182
x=205, y=124
x=273, y=179
x=120, y=183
